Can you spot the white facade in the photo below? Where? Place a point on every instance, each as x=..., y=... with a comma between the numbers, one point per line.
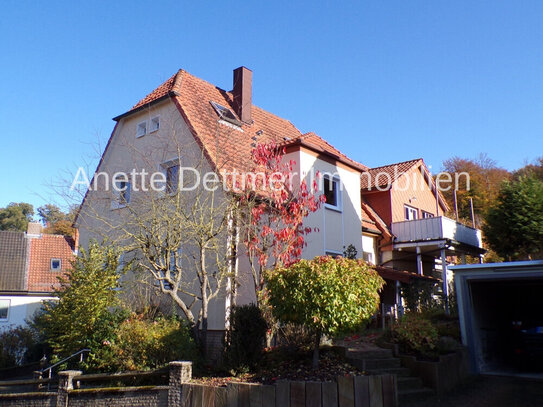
x=19, y=309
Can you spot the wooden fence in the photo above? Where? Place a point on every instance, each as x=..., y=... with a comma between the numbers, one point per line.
x=347, y=391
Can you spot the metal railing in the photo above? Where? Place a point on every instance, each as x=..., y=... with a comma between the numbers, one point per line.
x=40, y=373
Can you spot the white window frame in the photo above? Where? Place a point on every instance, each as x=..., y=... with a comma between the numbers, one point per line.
x=164, y=169
x=370, y=258
x=153, y=120
x=59, y=268
x=410, y=209
x=116, y=202
x=427, y=215
x=339, y=201
x=8, y=301
x=141, y=125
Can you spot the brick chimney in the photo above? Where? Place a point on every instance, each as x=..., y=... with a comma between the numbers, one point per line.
x=34, y=229
x=243, y=89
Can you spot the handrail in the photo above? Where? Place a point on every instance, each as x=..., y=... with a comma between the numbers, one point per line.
x=50, y=368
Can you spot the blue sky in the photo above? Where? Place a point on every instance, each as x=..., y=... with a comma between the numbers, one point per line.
x=384, y=81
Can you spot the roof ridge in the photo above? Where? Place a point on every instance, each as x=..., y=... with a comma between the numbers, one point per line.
x=176, y=86
x=398, y=163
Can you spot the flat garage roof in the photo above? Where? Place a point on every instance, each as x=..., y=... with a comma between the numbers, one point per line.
x=490, y=297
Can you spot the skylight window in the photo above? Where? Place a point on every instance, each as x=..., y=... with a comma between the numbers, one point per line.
x=226, y=114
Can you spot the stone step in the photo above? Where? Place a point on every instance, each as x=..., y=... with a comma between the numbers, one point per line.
x=421, y=394
x=367, y=364
x=409, y=383
x=398, y=371
x=354, y=353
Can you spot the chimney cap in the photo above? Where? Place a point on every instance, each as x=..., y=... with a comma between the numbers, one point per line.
x=243, y=67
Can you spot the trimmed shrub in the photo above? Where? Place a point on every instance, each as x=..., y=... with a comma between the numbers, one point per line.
x=416, y=334
x=326, y=295
x=141, y=344
x=246, y=338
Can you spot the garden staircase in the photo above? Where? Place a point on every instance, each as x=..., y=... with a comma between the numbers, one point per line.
x=376, y=361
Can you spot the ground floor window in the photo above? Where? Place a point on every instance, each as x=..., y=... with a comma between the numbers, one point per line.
x=4, y=309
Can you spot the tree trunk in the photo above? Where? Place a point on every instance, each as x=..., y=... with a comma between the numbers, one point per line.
x=203, y=337
x=316, y=349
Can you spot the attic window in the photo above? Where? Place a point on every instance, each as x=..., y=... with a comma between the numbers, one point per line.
x=155, y=124
x=142, y=129
x=56, y=264
x=226, y=114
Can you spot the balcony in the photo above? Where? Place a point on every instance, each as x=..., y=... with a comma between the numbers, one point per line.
x=436, y=229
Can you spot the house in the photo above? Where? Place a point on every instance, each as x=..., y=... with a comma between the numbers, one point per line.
x=30, y=263
x=187, y=118
x=188, y=122
x=411, y=230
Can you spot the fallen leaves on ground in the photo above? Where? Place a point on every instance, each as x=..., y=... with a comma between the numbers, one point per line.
x=281, y=364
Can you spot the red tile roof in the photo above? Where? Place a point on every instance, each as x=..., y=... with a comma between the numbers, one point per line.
x=317, y=143
x=159, y=92
x=233, y=150
x=390, y=173
x=371, y=220
x=42, y=249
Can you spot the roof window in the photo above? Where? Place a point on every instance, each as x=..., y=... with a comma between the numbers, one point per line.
x=226, y=114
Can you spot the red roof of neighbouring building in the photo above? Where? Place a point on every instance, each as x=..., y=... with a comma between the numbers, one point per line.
x=43, y=248
x=386, y=175
x=371, y=220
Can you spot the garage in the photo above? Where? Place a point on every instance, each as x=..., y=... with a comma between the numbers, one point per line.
x=501, y=316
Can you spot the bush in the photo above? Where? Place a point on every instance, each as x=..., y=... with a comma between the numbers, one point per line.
x=141, y=344
x=416, y=334
x=294, y=337
x=245, y=338
x=86, y=296
x=18, y=346
x=326, y=295
x=419, y=296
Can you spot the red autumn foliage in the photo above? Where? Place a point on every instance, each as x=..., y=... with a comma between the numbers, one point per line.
x=274, y=232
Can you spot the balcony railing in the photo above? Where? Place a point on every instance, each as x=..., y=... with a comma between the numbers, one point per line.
x=436, y=228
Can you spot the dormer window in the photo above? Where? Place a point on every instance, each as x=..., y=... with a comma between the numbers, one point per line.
x=141, y=129
x=226, y=114
x=154, y=125
x=56, y=264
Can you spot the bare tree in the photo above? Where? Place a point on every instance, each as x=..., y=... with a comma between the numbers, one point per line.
x=179, y=236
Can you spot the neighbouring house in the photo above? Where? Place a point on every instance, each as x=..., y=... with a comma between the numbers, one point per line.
x=223, y=127
x=30, y=263
x=411, y=231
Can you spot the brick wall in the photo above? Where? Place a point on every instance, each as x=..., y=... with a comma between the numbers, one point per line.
x=28, y=400
x=119, y=397
x=215, y=344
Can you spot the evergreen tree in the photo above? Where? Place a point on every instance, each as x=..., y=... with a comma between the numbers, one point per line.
x=514, y=223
